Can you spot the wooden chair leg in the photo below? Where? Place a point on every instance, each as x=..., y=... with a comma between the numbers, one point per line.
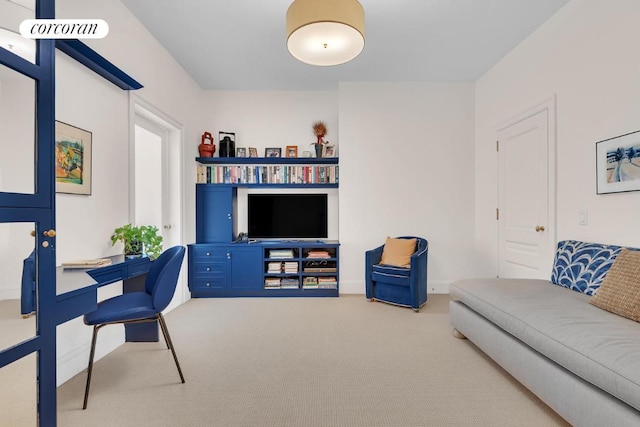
x=167, y=337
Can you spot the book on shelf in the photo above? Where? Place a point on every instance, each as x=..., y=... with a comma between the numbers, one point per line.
x=318, y=254
x=266, y=174
x=310, y=283
x=327, y=283
x=271, y=283
x=87, y=263
x=274, y=268
x=319, y=269
x=281, y=253
x=290, y=267
x=289, y=283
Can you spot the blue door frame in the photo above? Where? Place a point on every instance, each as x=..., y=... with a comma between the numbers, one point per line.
x=39, y=208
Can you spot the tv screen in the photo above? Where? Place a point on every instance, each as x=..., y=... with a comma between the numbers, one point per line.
x=287, y=216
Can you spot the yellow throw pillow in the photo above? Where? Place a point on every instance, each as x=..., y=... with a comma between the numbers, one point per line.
x=398, y=252
x=619, y=292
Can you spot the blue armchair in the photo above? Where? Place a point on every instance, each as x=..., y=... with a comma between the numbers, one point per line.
x=404, y=286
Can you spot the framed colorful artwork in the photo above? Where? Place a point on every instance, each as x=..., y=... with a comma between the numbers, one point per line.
x=72, y=159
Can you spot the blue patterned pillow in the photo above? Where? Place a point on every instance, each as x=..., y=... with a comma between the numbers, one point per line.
x=581, y=266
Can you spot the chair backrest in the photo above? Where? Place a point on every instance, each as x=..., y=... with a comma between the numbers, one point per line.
x=421, y=243
x=162, y=277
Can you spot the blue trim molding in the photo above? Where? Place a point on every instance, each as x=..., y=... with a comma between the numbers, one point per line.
x=97, y=63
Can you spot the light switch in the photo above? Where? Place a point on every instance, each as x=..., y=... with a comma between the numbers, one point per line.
x=583, y=218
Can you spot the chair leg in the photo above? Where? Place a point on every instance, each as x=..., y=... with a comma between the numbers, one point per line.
x=167, y=337
x=164, y=334
x=90, y=367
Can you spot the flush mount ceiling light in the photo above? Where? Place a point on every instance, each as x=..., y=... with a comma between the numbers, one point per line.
x=325, y=32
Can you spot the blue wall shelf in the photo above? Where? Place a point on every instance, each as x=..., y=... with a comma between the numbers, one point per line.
x=268, y=160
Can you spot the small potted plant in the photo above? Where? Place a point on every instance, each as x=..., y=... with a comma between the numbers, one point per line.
x=138, y=240
x=319, y=130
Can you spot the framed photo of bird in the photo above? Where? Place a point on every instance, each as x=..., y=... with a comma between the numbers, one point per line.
x=73, y=159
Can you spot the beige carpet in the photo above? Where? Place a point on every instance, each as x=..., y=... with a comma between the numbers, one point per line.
x=303, y=362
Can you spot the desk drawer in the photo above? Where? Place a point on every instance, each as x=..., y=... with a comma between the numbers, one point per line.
x=138, y=267
x=204, y=253
x=212, y=282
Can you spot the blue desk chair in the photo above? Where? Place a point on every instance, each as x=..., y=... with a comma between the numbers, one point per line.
x=138, y=307
x=28, y=291
x=404, y=286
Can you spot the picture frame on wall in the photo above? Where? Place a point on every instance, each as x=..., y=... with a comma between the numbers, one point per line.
x=253, y=152
x=292, y=151
x=241, y=152
x=273, y=152
x=618, y=164
x=72, y=159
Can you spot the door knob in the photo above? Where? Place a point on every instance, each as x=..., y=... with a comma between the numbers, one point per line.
x=539, y=228
x=50, y=233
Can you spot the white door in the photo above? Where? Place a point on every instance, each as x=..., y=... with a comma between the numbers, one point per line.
x=155, y=193
x=526, y=194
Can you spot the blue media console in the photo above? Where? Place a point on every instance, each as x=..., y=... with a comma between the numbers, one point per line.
x=265, y=269
x=221, y=267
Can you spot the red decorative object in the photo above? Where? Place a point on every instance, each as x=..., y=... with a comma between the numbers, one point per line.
x=205, y=148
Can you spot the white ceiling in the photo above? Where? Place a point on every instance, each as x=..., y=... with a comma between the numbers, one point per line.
x=240, y=44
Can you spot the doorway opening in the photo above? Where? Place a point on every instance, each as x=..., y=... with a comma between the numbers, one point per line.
x=156, y=177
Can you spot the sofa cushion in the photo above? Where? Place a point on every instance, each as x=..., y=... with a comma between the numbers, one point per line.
x=595, y=345
x=582, y=266
x=620, y=290
x=398, y=252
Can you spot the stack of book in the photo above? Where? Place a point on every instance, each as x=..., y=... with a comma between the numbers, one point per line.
x=317, y=253
x=310, y=283
x=274, y=268
x=319, y=268
x=290, y=267
x=327, y=283
x=281, y=253
x=272, y=283
x=289, y=283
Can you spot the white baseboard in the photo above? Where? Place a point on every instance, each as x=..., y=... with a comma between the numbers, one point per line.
x=358, y=287
x=9, y=293
x=75, y=360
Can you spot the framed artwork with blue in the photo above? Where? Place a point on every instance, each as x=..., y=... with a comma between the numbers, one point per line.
x=618, y=164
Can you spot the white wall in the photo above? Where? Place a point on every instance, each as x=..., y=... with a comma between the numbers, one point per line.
x=406, y=168
x=585, y=54
x=86, y=100
x=396, y=143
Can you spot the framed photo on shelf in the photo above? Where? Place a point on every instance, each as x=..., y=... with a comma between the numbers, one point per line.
x=329, y=150
x=241, y=152
x=72, y=159
x=273, y=152
x=618, y=164
x=292, y=151
x=253, y=152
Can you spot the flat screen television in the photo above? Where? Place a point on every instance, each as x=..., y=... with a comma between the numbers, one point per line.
x=287, y=216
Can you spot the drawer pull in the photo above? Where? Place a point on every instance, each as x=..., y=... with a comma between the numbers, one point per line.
x=208, y=269
x=208, y=284
x=208, y=253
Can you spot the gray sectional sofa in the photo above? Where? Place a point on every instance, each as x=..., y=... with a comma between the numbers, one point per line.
x=582, y=361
